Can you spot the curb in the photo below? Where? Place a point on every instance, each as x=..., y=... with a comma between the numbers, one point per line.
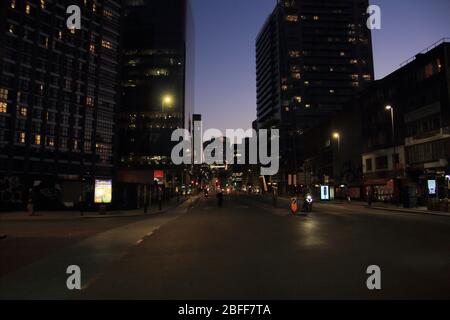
x=432, y=213
x=104, y=216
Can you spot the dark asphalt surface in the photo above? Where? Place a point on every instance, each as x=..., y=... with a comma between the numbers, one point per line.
x=247, y=250
x=29, y=241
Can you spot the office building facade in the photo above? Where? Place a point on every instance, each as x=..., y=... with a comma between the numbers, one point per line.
x=311, y=57
x=58, y=96
x=157, y=94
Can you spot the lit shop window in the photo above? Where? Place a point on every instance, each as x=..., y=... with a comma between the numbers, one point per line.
x=3, y=107
x=292, y=18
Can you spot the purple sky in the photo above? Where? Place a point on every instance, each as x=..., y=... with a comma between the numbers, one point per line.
x=225, y=50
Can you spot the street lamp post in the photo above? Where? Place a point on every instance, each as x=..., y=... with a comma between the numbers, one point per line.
x=391, y=111
x=394, y=157
x=337, y=137
x=165, y=100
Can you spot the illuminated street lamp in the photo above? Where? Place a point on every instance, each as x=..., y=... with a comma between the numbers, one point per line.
x=391, y=111
x=166, y=100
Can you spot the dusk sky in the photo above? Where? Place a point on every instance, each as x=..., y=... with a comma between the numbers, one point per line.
x=225, y=50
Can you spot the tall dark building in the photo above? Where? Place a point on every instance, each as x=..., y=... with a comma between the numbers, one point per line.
x=57, y=98
x=157, y=92
x=311, y=57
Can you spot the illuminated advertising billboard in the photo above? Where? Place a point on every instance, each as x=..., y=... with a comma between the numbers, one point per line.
x=103, y=191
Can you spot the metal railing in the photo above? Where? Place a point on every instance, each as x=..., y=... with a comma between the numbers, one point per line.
x=428, y=49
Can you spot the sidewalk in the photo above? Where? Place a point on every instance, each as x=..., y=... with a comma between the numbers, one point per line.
x=73, y=215
x=375, y=206
x=389, y=207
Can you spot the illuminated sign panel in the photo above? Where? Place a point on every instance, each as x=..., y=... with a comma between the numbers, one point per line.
x=324, y=193
x=432, y=187
x=103, y=191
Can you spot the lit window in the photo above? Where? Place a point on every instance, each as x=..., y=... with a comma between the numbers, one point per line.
x=21, y=137
x=307, y=106
x=13, y=4
x=28, y=9
x=316, y=18
x=90, y=101
x=292, y=18
x=306, y=83
x=3, y=107
x=50, y=141
x=3, y=93
x=23, y=111
x=37, y=139
x=367, y=77
x=342, y=54
x=294, y=53
x=42, y=4
x=332, y=91
x=284, y=87
x=353, y=61
x=108, y=14
x=106, y=44
x=296, y=75
x=298, y=99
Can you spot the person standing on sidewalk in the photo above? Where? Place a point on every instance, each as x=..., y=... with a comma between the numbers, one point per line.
x=31, y=202
x=160, y=198
x=369, y=196
x=81, y=204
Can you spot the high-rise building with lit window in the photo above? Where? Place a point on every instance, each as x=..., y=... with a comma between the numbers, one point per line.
x=311, y=57
x=157, y=94
x=57, y=99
